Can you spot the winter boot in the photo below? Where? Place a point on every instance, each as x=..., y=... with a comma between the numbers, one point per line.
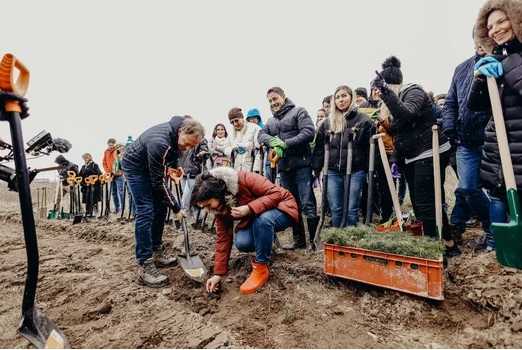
x=312, y=228
x=161, y=259
x=149, y=275
x=299, y=237
x=257, y=278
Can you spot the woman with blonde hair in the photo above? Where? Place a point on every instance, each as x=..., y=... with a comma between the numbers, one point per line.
x=344, y=123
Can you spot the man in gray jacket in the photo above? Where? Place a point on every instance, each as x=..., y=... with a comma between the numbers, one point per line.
x=289, y=133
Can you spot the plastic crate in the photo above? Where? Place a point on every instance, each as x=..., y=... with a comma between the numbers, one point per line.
x=422, y=277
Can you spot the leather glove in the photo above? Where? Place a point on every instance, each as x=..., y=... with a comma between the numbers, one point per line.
x=489, y=66
x=396, y=174
x=277, y=142
x=241, y=150
x=10, y=96
x=279, y=152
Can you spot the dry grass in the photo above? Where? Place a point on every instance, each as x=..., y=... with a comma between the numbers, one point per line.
x=9, y=201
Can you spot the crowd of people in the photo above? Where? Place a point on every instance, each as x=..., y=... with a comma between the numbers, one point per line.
x=232, y=174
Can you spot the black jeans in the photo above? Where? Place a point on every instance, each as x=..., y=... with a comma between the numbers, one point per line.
x=419, y=175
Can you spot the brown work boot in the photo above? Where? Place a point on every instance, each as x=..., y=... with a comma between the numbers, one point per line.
x=149, y=275
x=257, y=278
x=161, y=259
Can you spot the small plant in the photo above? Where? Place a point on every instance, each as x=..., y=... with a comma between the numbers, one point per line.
x=394, y=242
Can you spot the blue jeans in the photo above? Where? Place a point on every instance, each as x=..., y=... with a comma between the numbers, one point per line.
x=498, y=212
x=335, y=194
x=299, y=182
x=150, y=213
x=469, y=196
x=259, y=236
x=117, y=192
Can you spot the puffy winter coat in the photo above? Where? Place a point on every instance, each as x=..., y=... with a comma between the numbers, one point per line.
x=152, y=152
x=294, y=126
x=259, y=194
x=339, y=143
x=246, y=138
x=510, y=90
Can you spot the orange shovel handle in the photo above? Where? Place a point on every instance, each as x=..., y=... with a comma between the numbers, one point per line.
x=7, y=83
x=273, y=158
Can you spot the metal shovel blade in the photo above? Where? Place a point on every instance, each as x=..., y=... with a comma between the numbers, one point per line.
x=191, y=263
x=193, y=267
x=42, y=332
x=508, y=245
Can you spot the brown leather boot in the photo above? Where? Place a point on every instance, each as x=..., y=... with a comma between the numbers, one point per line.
x=257, y=278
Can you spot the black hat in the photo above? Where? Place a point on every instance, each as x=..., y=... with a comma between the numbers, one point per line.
x=360, y=91
x=61, y=160
x=391, y=70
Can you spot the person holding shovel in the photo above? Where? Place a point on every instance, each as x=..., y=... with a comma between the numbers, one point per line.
x=91, y=195
x=67, y=166
x=145, y=163
x=413, y=117
x=498, y=30
x=261, y=207
x=344, y=125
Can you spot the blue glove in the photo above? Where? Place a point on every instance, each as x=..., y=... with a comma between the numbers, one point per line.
x=490, y=67
x=396, y=174
x=241, y=150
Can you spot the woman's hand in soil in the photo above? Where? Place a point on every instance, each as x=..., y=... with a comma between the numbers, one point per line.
x=212, y=283
x=239, y=212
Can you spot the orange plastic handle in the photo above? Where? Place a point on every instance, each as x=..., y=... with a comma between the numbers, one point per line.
x=7, y=83
x=70, y=181
x=175, y=173
x=78, y=180
x=273, y=158
x=93, y=178
x=71, y=173
x=88, y=180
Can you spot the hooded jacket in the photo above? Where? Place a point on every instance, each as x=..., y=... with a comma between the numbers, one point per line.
x=510, y=90
x=259, y=194
x=294, y=126
x=246, y=138
x=68, y=166
x=152, y=153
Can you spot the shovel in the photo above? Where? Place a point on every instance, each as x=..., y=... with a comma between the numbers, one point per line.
x=317, y=240
x=389, y=179
x=191, y=263
x=348, y=178
x=508, y=236
x=34, y=325
x=437, y=181
x=371, y=182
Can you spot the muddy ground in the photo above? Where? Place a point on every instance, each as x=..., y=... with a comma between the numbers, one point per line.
x=87, y=286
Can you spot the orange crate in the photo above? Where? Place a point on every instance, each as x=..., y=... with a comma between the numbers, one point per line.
x=415, y=228
x=422, y=277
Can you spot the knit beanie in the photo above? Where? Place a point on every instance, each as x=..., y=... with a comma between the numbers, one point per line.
x=360, y=91
x=391, y=70
x=235, y=113
x=254, y=112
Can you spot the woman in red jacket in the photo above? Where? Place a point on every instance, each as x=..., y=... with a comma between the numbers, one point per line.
x=261, y=207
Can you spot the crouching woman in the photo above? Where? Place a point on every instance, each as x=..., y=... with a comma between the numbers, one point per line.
x=262, y=209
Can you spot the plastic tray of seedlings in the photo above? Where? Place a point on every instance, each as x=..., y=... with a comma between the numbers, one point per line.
x=392, y=259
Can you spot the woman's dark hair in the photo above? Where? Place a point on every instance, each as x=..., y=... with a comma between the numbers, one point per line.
x=214, y=133
x=207, y=187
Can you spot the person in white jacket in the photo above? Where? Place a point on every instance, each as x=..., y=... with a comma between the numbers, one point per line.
x=244, y=143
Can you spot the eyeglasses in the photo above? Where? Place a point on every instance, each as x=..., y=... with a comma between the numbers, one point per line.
x=234, y=121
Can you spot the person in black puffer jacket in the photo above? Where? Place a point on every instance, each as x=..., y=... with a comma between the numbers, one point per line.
x=413, y=118
x=499, y=31
x=290, y=133
x=145, y=163
x=344, y=122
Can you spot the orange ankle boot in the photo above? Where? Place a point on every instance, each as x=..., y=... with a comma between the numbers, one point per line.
x=257, y=278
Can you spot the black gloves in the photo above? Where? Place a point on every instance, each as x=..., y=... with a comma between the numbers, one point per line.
x=380, y=84
x=453, y=137
x=316, y=173
x=10, y=96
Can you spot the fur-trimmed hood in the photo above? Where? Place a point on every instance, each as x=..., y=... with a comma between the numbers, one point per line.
x=228, y=175
x=513, y=9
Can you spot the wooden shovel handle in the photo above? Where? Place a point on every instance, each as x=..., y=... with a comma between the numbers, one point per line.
x=502, y=140
x=389, y=178
x=273, y=158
